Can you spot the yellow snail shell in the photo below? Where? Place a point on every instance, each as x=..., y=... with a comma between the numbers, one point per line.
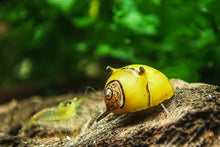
x=135, y=87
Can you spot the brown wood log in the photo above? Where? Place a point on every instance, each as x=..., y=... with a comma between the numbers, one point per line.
x=193, y=120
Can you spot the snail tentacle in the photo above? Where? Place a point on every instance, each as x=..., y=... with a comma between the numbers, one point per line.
x=102, y=115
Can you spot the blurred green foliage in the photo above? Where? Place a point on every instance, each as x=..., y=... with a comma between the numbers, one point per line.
x=42, y=40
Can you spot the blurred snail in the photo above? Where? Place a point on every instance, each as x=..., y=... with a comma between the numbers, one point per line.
x=133, y=88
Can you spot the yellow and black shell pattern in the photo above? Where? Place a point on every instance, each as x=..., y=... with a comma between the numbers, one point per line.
x=135, y=87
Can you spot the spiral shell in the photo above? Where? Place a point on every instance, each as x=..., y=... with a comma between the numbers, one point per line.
x=135, y=87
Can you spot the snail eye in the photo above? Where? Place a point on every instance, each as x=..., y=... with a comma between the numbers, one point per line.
x=108, y=94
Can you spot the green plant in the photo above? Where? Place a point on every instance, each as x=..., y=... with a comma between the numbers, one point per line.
x=48, y=39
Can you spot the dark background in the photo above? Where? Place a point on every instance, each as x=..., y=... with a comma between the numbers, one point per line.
x=55, y=46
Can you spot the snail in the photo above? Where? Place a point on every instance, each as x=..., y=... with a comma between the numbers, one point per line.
x=134, y=88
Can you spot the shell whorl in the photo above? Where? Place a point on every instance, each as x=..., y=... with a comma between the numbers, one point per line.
x=114, y=95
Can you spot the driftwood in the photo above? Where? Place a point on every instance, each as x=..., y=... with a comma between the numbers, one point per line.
x=193, y=120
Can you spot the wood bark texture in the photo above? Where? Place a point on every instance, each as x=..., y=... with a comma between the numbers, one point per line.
x=193, y=120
